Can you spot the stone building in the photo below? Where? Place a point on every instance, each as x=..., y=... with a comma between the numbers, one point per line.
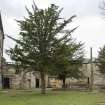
x=13, y=80
x=85, y=80
x=98, y=78
x=32, y=80
x=1, y=49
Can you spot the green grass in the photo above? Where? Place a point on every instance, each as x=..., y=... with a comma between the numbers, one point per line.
x=52, y=98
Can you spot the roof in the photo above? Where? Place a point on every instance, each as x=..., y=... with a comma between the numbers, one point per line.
x=87, y=61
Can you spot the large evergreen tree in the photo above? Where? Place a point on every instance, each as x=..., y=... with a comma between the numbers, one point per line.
x=39, y=37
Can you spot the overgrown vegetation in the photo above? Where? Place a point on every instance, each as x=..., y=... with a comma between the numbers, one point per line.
x=101, y=60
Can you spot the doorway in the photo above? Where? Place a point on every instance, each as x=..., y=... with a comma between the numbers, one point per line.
x=37, y=83
x=5, y=83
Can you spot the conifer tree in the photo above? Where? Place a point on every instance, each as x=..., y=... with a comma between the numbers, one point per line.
x=40, y=35
x=101, y=60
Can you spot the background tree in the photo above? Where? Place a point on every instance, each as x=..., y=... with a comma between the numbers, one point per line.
x=101, y=60
x=68, y=59
x=101, y=53
x=39, y=38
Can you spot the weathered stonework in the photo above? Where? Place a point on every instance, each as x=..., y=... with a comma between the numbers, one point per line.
x=1, y=49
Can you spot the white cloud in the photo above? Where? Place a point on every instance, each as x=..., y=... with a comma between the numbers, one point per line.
x=11, y=28
x=91, y=30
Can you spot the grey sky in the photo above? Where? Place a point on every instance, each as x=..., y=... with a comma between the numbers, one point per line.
x=91, y=23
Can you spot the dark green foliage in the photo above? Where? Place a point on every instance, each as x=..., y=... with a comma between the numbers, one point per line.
x=101, y=60
x=68, y=60
x=39, y=40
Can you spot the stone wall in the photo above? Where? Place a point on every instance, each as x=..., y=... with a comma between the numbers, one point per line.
x=98, y=78
x=31, y=77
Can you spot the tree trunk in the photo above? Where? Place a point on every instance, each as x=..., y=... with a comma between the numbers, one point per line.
x=43, y=87
x=64, y=84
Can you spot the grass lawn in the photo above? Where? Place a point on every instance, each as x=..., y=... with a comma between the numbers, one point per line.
x=52, y=98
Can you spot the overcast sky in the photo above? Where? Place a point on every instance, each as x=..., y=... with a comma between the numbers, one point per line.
x=91, y=23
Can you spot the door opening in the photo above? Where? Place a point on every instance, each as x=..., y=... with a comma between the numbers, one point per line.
x=37, y=83
x=5, y=83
